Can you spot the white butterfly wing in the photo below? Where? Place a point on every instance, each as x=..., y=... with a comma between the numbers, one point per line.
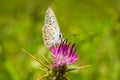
x=50, y=31
x=50, y=19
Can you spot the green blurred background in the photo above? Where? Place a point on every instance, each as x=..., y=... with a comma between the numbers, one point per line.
x=94, y=25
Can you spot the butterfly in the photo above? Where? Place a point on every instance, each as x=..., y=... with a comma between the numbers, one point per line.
x=50, y=31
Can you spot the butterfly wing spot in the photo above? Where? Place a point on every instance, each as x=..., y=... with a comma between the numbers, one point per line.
x=50, y=36
x=50, y=18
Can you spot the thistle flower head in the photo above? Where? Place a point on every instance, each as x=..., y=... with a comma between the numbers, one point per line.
x=64, y=54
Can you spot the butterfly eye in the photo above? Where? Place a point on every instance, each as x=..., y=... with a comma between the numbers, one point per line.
x=60, y=35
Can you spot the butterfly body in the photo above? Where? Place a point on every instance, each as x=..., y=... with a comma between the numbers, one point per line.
x=50, y=31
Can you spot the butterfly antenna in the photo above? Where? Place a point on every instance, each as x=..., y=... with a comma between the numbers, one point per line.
x=77, y=68
x=40, y=78
x=35, y=59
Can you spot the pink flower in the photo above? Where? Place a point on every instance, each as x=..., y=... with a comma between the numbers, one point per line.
x=64, y=54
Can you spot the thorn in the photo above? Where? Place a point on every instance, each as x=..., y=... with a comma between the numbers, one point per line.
x=42, y=69
x=77, y=68
x=40, y=78
x=35, y=58
x=46, y=60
